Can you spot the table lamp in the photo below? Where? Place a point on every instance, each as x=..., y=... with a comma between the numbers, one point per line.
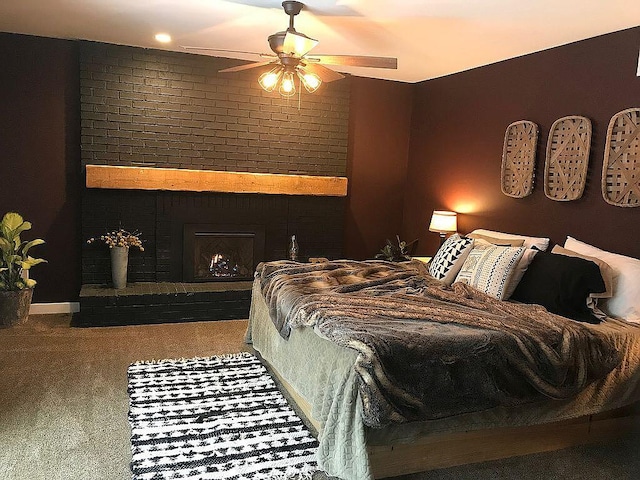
x=443, y=222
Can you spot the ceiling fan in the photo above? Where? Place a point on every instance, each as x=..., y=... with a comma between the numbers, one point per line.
x=291, y=58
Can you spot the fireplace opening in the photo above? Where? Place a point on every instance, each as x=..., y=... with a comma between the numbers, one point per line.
x=214, y=253
x=221, y=256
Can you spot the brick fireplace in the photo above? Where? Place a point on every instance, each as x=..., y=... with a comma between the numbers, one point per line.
x=167, y=220
x=162, y=217
x=164, y=110
x=200, y=250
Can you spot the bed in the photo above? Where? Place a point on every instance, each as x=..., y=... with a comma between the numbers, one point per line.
x=384, y=407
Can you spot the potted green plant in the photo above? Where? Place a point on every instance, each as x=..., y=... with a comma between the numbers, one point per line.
x=16, y=288
x=396, y=252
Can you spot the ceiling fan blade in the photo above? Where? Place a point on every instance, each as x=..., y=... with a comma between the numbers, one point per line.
x=224, y=50
x=297, y=43
x=247, y=66
x=355, y=61
x=331, y=8
x=325, y=74
x=334, y=10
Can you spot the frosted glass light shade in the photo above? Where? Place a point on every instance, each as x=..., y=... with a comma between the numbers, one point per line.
x=269, y=80
x=311, y=81
x=288, y=85
x=443, y=221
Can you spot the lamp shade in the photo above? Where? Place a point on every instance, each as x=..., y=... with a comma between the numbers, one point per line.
x=443, y=221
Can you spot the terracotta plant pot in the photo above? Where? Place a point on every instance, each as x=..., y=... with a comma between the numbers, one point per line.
x=14, y=307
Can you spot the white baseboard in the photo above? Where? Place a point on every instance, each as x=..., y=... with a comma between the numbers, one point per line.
x=47, y=308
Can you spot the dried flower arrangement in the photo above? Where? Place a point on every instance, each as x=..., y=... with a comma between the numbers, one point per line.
x=120, y=238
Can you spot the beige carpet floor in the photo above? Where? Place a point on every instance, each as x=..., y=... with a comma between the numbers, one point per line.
x=63, y=391
x=64, y=405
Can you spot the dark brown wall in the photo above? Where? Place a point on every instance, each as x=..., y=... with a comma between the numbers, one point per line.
x=454, y=155
x=458, y=130
x=379, y=126
x=39, y=144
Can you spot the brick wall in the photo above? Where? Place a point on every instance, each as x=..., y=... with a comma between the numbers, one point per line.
x=105, y=210
x=167, y=109
x=317, y=222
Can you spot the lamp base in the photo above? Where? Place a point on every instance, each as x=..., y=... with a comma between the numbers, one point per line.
x=442, y=238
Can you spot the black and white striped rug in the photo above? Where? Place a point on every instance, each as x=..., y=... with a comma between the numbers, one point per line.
x=214, y=418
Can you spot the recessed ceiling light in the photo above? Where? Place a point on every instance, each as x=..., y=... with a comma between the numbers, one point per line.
x=163, y=37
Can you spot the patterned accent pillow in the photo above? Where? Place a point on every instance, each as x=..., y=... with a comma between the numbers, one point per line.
x=447, y=261
x=489, y=268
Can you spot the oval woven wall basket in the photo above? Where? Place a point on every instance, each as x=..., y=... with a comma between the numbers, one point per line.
x=518, y=159
x=621, y=166
x=565, y=167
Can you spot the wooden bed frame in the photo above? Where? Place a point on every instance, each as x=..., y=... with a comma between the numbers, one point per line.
x=451, y=449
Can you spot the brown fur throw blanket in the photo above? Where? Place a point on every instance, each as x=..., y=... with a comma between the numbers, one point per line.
x=428, y=351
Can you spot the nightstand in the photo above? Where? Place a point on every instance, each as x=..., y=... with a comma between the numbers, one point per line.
x=424, y=260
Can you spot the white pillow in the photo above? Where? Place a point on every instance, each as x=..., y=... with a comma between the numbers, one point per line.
x=625, y=302
x=501, y=242
x=539, y=242
x=519, y=271
x=489, y=268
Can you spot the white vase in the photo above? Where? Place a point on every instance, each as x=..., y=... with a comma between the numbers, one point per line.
x=119, y=262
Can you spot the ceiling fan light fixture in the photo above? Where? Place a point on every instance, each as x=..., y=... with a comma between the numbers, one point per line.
x=290, y=49
x=269, y=80
x=298, y=44
x=311, y=81
x=288, y=84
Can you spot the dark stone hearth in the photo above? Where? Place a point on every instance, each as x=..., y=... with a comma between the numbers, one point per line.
x=149, y=303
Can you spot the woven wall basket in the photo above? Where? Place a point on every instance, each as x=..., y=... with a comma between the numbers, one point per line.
x=621, y=167
x=565, y=168
x=518, y=159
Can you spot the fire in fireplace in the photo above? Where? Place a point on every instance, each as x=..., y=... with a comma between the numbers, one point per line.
x=223, y=266
x=213, y=253
x=223, y=256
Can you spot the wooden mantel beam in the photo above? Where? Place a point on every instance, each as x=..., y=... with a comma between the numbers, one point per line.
x=179, y=179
